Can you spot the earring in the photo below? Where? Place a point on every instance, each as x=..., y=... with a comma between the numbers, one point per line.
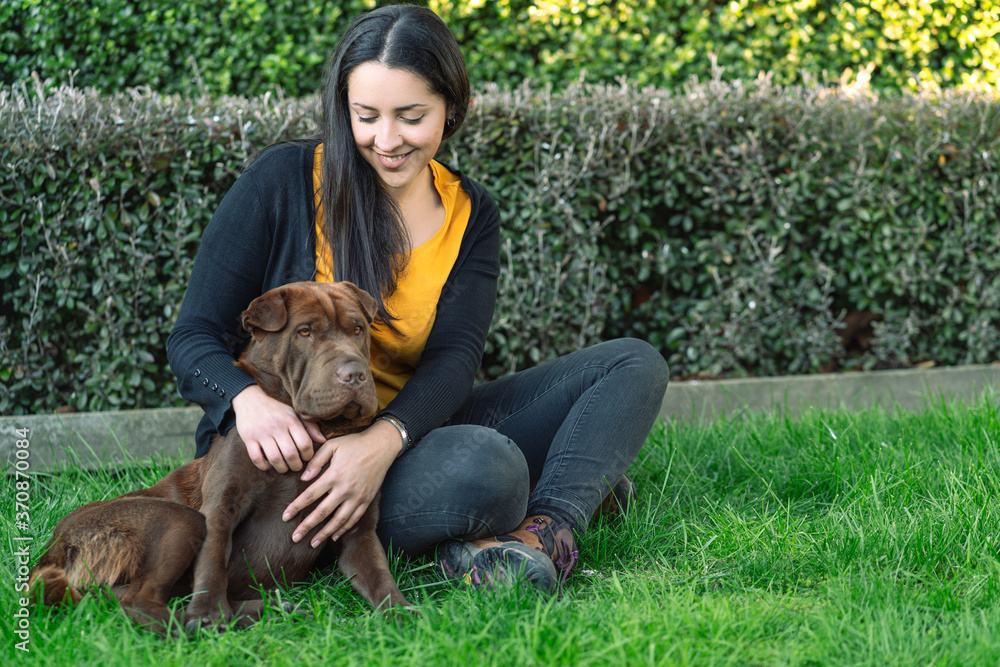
x=450, y=123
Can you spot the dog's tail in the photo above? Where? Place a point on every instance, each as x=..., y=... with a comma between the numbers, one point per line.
x=50, y=586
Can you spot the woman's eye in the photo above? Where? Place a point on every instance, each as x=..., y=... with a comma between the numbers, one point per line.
x=371, y=119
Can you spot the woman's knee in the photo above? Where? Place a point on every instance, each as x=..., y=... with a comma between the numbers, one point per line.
x=462, y=480
x=486, y=466
x=645, y=363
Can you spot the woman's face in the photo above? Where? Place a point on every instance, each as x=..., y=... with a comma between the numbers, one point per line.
x=398, y=122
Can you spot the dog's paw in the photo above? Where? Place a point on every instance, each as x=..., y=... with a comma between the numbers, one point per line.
x=398, y=612
x=200, y=617
x=197, y=625
x=296, y=611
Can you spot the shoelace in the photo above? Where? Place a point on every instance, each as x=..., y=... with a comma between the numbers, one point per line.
x=557, y=543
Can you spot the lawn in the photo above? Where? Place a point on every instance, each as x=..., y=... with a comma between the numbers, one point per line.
x=829, y=538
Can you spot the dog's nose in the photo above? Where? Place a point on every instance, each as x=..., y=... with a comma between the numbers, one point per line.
x=352, y=373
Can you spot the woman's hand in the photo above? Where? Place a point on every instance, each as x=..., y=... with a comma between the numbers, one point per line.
x=355, y=464
x=274, y=435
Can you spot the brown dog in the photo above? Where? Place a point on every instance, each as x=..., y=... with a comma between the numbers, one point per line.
x=212, y=529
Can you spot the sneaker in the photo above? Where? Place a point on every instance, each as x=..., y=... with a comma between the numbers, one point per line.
x=537, y=552
x=490, y=564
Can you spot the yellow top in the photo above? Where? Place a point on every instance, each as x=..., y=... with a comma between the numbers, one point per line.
x=414, y=304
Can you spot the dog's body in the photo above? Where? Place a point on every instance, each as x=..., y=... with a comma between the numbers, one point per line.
x=213, y=528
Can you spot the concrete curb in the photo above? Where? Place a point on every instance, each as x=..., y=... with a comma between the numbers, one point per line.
x=909, y=389
x=97, y=439
x=102, y=439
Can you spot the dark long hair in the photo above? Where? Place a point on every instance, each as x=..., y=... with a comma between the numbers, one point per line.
x=362, y=223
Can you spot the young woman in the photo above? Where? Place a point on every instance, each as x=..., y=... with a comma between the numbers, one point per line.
x=498, y=477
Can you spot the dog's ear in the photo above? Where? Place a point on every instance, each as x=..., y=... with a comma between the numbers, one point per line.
x=366, y=300
x=267, y=312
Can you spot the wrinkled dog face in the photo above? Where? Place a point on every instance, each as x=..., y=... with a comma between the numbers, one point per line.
x=309, y=348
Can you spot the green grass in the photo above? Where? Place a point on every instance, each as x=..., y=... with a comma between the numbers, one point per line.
x=832, y=538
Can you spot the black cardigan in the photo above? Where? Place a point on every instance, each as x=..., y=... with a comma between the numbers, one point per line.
x=263, y=236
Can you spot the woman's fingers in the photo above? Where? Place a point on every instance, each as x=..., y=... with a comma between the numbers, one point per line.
x=342, y=521
x=317, y=489
x=347, y=473
x=257, y=454
x=343, y=513
x=274, y=434
x=312, y=428
x=302, y=446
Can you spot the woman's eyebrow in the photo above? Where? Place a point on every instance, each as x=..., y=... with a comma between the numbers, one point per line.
x=408, y=107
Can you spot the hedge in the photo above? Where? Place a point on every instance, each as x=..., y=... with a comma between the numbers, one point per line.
x=249, y=47
x=739, y=227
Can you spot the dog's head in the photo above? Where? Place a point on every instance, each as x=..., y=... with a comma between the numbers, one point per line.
x=309, y=348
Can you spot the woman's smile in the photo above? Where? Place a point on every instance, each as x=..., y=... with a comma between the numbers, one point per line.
x=392, y=161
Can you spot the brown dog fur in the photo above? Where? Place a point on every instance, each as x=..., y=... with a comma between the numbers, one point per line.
x=212, y=529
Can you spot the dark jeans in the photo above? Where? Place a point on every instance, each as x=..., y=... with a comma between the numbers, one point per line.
x=569, y=429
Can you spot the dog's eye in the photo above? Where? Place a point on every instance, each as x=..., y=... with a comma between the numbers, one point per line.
x=304, y=332
x=358, y=330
